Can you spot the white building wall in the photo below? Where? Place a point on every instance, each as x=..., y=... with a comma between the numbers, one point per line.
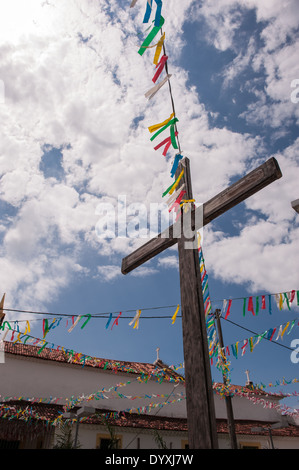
x=133, y=439
x=263, y=441
x=130, y=438
x=30, y=377
x=243, y=408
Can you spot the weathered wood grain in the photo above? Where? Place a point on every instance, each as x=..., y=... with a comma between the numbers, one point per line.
x=201, y=416
x=250, y=184
x=202, y=431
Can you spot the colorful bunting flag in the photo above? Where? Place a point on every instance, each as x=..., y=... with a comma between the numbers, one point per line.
x=109, y=321
x=74, y=324
x=257, y=305
x=176, y=204
x=160, y=66
x=169, y=122
x=263, y=302
x=155, y=127
x=173, y=187
x=151, y=36
x=158, y=51
x=175, y=314
x=148, y=11
x=116, y=320
x=151, y=93
x=136, y=320
x=167, y=143
x=228, y=309
x=175, y=165
x=250, y=305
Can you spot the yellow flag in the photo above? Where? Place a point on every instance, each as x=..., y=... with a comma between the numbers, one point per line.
x=27, y=329
x=157, y=126
x=177, y=182
x=280, y=301
x=175, y=315
x=136, y=320
x=159, y=49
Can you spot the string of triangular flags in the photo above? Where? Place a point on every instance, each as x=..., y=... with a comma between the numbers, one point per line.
x=210, y=322
x=283, y=300
x=47, y=326
x=113, y=392
x=238, y=349
x=176, y=197
x=262, y=302
x=30, y=413
x=213, y=342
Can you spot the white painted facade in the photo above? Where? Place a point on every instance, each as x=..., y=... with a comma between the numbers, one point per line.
x=33, y=377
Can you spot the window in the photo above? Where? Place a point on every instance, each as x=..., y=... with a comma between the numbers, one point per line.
x=11, y=445
x=250, y=445
x=185, y=444
x=105, y=441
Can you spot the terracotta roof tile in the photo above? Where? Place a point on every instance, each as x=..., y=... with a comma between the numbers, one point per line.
x=157, y=369
x=46, y=413
x=246, y=426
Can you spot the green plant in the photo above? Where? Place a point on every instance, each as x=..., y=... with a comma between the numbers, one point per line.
x=64, y=438
x=113, y=442
x=159, y=440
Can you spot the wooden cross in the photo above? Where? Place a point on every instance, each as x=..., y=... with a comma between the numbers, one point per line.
x=2, y=314
x=201, y=418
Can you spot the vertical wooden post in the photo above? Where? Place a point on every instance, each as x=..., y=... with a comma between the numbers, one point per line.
x=202, y=431
x=2, y=314
x=228, y=400
x=200, y=400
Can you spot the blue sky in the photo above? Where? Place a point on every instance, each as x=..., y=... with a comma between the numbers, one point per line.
x=74, y=135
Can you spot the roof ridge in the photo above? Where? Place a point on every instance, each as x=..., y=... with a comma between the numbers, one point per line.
x=72, y=357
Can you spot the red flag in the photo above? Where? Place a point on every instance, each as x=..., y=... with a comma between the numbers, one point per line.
x=160, y=66
x=228, y=309
x=167, y=143
x=116, y=321
x=250, y=306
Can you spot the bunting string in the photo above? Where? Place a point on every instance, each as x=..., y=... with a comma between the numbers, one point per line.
x=28, y=413
x=248, y=304
x=263, y=299
x=283, y=300
x=103, y=393
x=161, y=64
x=272, y=334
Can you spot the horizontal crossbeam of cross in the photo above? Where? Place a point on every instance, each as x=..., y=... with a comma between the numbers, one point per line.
x=239, y=191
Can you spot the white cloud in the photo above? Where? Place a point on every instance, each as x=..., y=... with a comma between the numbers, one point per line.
x=263, y=254
x=111, y=272
x=240, y=63
x=108, y=272
x=261, y=257
x=275, y=200
x=84, y=98
x=222, y=18
x=143, y=271
x=168, y=262
x=276, y=58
